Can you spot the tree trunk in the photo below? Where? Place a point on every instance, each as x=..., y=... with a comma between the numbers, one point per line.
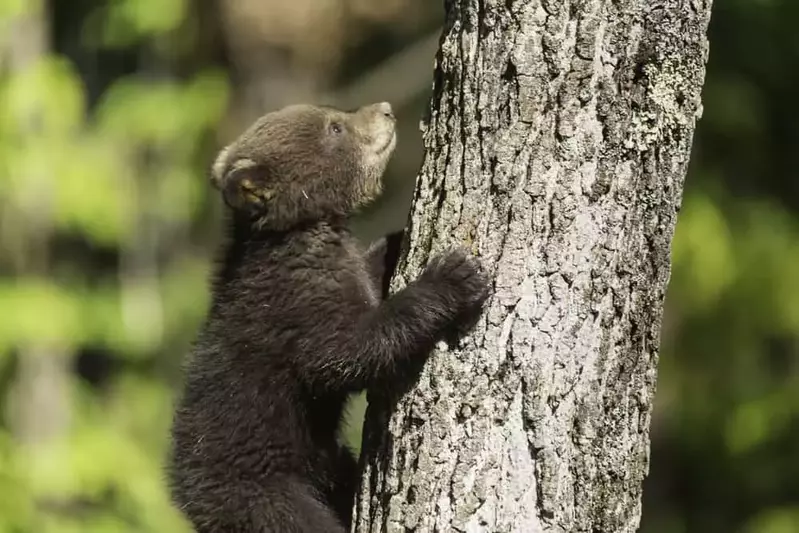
x=40, y=406
x=556, y=148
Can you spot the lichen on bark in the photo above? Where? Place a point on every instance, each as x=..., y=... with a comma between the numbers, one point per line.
x=557, y=144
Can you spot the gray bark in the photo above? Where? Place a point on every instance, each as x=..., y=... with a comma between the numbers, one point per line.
x=556, y=148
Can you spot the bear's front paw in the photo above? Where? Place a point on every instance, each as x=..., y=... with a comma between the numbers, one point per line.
x=460, y=277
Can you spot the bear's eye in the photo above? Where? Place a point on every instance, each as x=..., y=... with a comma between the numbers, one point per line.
x=336, y=128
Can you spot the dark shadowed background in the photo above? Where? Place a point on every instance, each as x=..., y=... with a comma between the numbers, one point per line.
x=110, y=114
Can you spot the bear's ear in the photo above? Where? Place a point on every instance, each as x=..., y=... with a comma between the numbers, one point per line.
x=243, y=186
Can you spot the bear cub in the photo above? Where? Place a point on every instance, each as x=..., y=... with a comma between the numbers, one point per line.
x=298, y=322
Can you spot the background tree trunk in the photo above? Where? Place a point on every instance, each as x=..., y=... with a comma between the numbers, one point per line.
x=556, y=149
x=40, y=408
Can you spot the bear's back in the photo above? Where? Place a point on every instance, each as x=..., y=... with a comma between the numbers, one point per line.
x=245, y=412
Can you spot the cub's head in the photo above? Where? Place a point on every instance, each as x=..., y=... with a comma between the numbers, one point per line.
x=305, y=163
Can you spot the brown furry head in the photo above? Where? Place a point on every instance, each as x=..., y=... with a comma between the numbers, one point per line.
x=306, y=162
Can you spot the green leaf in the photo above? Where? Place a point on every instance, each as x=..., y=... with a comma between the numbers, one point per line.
x=775, y=520
x=702, y=254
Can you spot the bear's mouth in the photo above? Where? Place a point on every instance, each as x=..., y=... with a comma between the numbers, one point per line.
x=388, y=145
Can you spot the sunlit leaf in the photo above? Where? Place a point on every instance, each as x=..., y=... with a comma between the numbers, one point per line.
x=39, y=311
x=45, y=100
x=126, y=22
x=11, y=9
x=775, y=520
x=702, y=253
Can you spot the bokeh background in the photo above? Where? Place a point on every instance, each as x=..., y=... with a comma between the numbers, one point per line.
x=110, y=114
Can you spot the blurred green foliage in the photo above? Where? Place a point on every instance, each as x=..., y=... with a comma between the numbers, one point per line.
x=726, y=437
x=115, y=180
x=80, y=170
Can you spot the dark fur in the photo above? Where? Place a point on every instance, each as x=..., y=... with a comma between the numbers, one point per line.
x=297, y=323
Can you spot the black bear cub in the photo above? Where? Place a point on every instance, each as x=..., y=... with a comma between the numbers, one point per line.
x=297, y=322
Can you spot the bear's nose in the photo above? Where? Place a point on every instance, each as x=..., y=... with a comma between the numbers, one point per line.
x=385, y=109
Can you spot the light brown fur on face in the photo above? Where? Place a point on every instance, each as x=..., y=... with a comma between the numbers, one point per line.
x=306, y=162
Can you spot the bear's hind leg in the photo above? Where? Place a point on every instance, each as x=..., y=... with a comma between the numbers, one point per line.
x=284, y=505
x=292, y=506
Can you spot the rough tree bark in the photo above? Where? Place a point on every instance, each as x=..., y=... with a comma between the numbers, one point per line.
x=556, y=148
